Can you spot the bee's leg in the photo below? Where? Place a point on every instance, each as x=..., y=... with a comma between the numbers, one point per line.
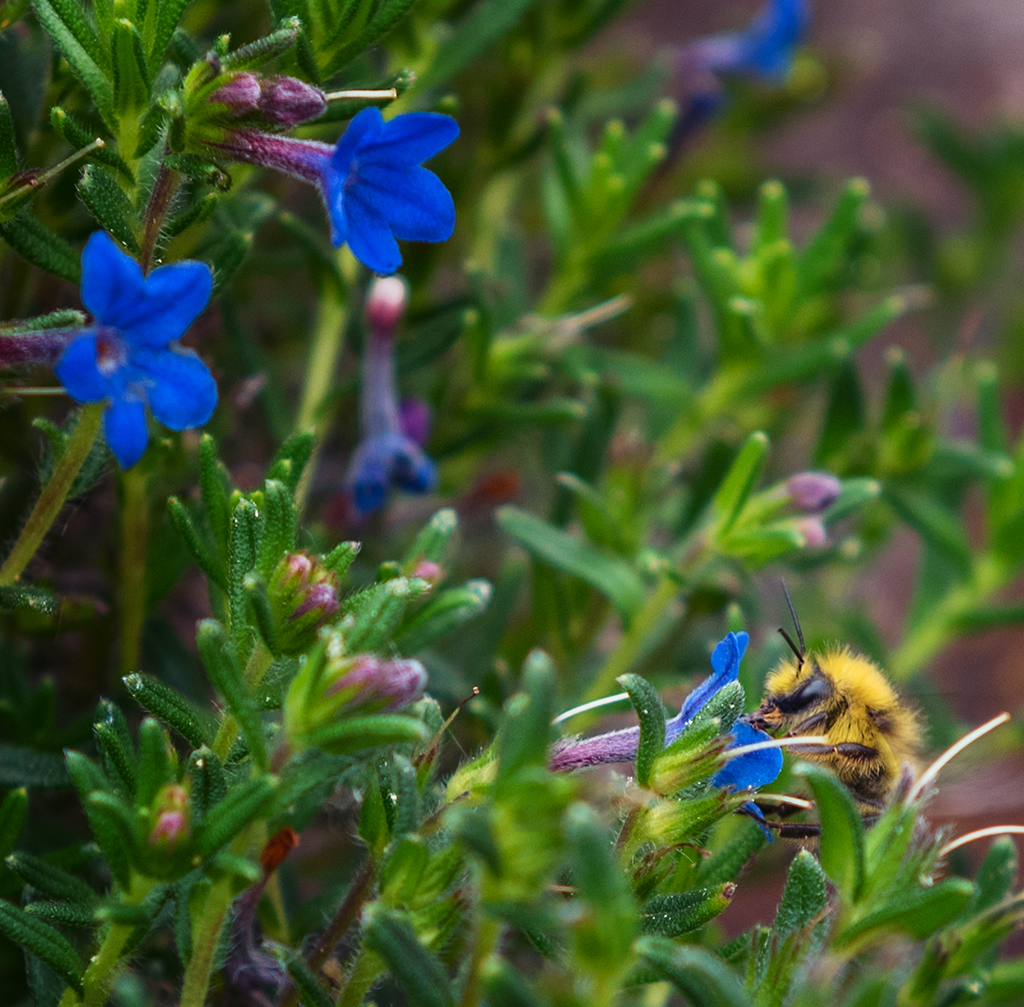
x=848, y=749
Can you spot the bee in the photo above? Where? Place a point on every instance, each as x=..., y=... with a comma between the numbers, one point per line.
x=846, y=698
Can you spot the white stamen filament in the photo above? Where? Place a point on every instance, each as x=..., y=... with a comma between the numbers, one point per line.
x=760, y=746
x=796, y=802
x=594, y=704
x=992, y=830
x=385, y=94
x=928, y=776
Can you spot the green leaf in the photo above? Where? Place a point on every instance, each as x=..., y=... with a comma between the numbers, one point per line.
x=226, y=676
x=291, y=459
x=651, y=712
x=386, y=15
x=107, y=202
x=110, y=730
x=703, y=978
x=995, y=876
x=842, y=831
x=44, y=942
x=208, y=785
x=204, y=556
x=68, y=914
x=227, y=818
x=828, y=250
x=740, y=481
x=78, y=134
x=85, y=64
x=8, y=145
x=683, y=912
x=245, y=531
x=87, y=776
x=920, y=912
x=36, y=243
x=432, y=539
x=280, y=528
x=727, y=862
x=50, y=879
x=376, y=612
x=421, y=976
x=29, y=597
x=506, y=986
x=804, y=897
x=113, y=825
x=610, y=575
x=525, y=731
x=196, y=726
x=168, y=14
x=12, y=817
x=156, y=769
x=131, y=72
x=443, y=614
x=940, y=527
x=772, y=221
x=844, y=416
x=364, y=733
x=263, y=50
x=21, y=766
x=341, y=557
x=311, y=990
x=486, y=22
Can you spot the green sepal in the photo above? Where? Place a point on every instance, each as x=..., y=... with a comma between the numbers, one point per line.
x=364, y=733
x=227, y=678
x=196, y=726
x=444, y=614
x=842, y=831
x=682, y=912
x=612, y=576
x=263, y=50
x=229, y=816
x=43, y=247
x=209, y=787
x=113, y=825
x=67, y=914
x=50, y=879
x=432, y=539
x=44, y=942
x=703, y=978
x=525, y=732
x=13, y=811
x=156, y=768
x=419, y=973
x=110, y=730
x=651, y=713
x=109, y=205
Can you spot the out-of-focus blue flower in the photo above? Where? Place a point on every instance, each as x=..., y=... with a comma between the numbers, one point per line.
x=129, y=355
x=754, y=769
x=389, y=455
x=372, y=182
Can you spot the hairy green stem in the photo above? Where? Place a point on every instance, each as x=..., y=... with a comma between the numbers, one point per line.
x=134, y=534
x=156, y=210
x=53, y=494
x=205, y=938
x=361, y=977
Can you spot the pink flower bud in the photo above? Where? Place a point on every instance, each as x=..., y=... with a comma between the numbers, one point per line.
x=379, y=684
x=286, y=101
x=814, y=532
x=812, y=492
x=428, y=571
x=385, y=304
x=241, y=94
x=170, y=819
x=303, y=597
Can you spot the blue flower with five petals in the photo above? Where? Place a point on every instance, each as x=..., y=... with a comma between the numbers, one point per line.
x=372, y=181
x=129, y=356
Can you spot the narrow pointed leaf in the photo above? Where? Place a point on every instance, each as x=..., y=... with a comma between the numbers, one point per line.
x=44, y=942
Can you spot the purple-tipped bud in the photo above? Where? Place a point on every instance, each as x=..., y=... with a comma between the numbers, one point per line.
x=414, y=417
x=385, y=305
x=286, y=101
x=813, y=492
x=814, y=532
x=372, y=684
x=303, y=597
x=431, y=572
x=241, y=94
x=170, y=818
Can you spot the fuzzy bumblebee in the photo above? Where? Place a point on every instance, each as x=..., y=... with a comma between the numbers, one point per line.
x=846, y=698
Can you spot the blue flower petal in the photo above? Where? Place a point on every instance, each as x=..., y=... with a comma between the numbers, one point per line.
x=77, y=371
x=725, y=660
x=124, y=426
x=755, y=769
x=333, y=192
x=369, y=235
x=367, y=476
x=110, y=278
x=409, y=139
x=411, y=469
x=181, y=389
x=413, y=201
x=364, y=127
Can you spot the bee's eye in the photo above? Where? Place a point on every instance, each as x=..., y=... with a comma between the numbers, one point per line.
x=814, y=689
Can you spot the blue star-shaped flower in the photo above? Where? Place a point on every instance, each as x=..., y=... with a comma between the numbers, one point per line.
x=129, y=357
x=372, y=181
x=754, y=769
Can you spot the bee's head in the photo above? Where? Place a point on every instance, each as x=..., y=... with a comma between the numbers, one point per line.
x=794, y=691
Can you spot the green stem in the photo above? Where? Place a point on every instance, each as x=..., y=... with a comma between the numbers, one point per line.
x=205, y=939
x=488, y=931
x=361, y=977
x=324, y=354
x=53, y=494
x=259, y=661
x=134, y=532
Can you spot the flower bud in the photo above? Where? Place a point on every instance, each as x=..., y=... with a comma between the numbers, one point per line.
x=171, y=826
x=370, y=684
x=385, y=304
x=814, y=532
x=286, y=101
x=303, y=597
x=241, y=94
x=812, y=492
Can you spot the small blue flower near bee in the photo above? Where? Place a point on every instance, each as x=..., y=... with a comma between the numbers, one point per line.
x=129, y=356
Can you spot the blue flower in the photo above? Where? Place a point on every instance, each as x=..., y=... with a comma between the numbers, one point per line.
x=372, y=183
x=129, y=357
x=754, y=769
x=383, y=461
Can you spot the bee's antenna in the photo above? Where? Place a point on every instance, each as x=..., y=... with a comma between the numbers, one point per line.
x=802, y=651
